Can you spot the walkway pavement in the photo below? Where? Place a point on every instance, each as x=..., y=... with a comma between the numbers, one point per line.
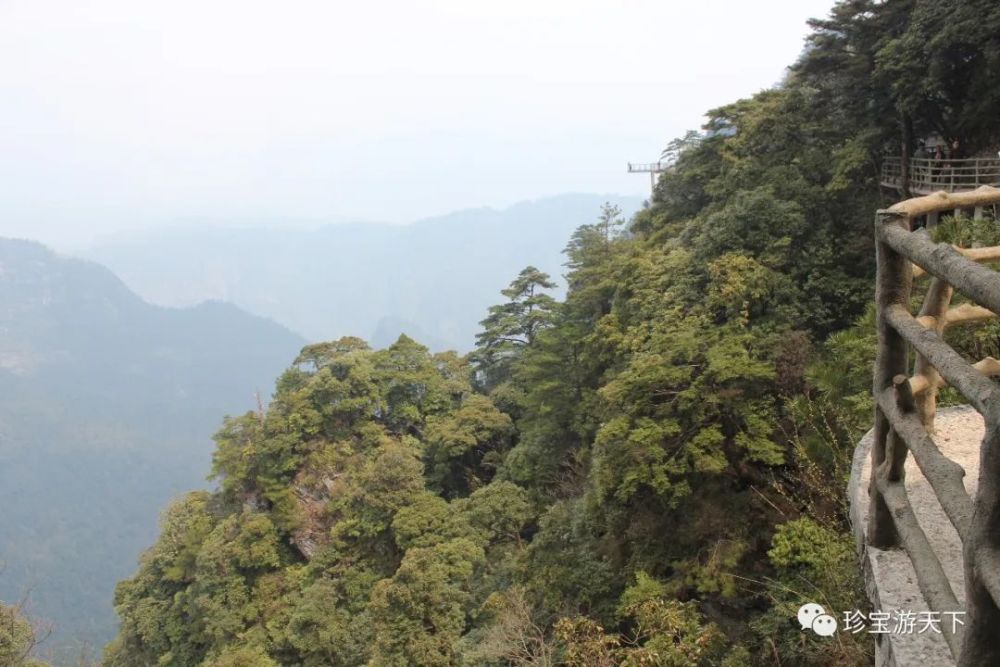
x=889, y=576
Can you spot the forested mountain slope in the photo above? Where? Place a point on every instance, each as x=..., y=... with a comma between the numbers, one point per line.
x=428, y=279
x=107, y=412
x=647, y=472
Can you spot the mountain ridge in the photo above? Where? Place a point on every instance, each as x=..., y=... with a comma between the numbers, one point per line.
x=431, y=278
x=110, y=404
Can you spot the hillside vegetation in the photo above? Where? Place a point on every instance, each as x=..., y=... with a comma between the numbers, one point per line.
x=647, y=472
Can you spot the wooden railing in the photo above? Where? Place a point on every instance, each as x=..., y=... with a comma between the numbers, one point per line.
x=930, y=175
x=905, y=405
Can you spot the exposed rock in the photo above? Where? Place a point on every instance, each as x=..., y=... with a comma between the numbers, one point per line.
x=312, y=498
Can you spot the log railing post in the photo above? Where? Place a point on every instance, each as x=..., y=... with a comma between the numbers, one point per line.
x=893, y=284
x=981, y=641
x=895, y=453
x=935, y=305
x=981, y=644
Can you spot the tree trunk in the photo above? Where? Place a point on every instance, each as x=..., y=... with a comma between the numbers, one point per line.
x=906, y=152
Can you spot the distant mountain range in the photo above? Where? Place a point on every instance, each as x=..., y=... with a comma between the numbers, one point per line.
x=433, y=279
x=108, y=406
x=109, y=402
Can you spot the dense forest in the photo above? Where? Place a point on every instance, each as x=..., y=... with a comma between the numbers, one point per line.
x=650, y=471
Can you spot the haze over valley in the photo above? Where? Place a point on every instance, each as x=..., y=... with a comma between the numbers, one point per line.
x=109, y=406
x=432, y=279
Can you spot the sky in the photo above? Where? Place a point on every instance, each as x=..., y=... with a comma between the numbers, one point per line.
x=121, y=114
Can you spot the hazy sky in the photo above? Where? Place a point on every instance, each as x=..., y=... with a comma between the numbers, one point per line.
x=120, y=113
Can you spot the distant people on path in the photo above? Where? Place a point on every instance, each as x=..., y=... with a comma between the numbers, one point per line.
x=921, y=170
x=936, y=164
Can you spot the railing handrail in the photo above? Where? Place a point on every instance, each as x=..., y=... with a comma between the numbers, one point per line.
x=905, y=406
x=943, y=160
x=647, y=166
x=928, y=174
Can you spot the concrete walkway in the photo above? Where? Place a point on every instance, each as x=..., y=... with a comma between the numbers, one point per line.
x=889, y=576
